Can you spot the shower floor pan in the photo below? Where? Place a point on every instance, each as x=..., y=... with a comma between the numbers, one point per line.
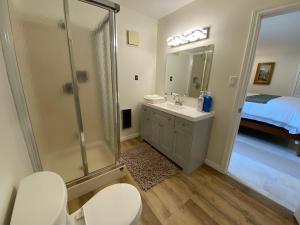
x=68, y=163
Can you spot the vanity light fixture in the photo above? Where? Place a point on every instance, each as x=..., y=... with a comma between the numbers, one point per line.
x=188, y=37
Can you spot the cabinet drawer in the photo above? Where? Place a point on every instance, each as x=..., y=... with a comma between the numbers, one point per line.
x=146, y=109
x=167, y=119
x=183, y=125
x=146, y=113
x=164, y=118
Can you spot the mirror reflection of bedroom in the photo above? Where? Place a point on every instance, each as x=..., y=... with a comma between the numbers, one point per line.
x=266, y=151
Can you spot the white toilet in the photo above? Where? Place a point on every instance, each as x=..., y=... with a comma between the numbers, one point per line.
x=42, y=200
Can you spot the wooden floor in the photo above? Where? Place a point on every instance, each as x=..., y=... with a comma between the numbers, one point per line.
x=204, y=197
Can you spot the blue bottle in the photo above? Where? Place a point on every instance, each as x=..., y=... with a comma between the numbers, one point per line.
x=207, y=105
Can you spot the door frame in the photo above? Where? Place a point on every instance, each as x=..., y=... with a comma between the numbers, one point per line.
x=13, y=74
x=296, y=80
x=249, y=55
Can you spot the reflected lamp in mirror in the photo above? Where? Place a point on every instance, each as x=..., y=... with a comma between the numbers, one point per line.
x=189, y=37
x=188, y=71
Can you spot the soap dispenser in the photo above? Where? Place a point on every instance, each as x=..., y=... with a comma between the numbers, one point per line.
x=200, y=101
x=207, y=105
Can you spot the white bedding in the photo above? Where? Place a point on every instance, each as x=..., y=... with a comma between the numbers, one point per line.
x=282, y=112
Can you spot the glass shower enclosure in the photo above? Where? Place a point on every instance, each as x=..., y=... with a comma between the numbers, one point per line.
x=65, y=84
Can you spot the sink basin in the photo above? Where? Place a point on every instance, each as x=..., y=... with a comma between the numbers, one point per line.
x=173, y=106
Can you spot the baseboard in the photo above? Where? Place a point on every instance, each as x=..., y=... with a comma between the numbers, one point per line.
x=213, y=165
x=131, y=136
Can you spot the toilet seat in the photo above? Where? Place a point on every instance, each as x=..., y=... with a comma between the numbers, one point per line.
x=118, y=204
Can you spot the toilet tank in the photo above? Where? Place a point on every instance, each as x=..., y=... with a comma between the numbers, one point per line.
x=41, y=200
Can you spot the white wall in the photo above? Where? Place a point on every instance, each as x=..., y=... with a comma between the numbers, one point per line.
x=14, y=160
x=283, y=78
x=229, y=22
x=139, y=60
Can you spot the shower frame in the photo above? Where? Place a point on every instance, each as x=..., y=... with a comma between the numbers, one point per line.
x=16, y=86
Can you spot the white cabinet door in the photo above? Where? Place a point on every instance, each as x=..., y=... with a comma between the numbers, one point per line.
x=146, y=124
x=181, y=147
x=166, y=135
x=155, y=127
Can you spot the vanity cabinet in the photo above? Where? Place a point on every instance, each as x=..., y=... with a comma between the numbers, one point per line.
x=183, y=141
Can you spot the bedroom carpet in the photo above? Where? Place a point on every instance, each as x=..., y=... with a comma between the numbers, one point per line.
x=147, y=166
x=268, y=167
x=268, y=158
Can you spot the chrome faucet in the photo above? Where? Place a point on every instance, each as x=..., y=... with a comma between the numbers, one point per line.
x=178, y=99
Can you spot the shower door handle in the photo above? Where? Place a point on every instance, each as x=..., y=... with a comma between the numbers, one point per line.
x=83, y=154
x=82, y=138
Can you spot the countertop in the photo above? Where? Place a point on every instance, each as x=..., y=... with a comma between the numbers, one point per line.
x=185, y=112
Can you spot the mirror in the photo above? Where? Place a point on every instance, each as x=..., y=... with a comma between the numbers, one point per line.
x=188, y=71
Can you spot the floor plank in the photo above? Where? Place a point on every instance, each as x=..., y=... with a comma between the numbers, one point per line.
x=204, y=197
x=148, y=217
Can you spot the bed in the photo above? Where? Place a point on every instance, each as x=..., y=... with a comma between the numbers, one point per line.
x=276, y=115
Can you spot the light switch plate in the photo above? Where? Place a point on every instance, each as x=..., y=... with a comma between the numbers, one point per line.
x=233, y=81
x=133, y=38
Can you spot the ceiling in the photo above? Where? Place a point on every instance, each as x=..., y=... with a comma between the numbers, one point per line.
x=280, y=34
x=154, y=8
x=52, y=12
x=48, y=9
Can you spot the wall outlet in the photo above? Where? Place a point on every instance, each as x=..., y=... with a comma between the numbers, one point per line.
x=136, y=77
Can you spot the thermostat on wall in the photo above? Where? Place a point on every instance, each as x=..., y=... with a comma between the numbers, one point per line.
x=133, y=38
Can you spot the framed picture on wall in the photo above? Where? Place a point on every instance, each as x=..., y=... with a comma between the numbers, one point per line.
x=264, y=73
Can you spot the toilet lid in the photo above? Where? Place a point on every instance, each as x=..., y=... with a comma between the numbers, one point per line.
x=41, y=199
x=118, y=204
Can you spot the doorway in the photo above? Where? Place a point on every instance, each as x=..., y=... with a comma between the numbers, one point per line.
x=266, y=141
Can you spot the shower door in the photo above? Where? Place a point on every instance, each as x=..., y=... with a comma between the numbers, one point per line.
x=65, y=53
x=92, y=46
